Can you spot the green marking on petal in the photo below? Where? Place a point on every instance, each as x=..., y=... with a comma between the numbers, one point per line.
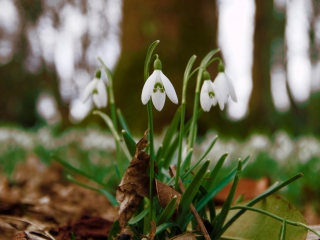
x=158, y=87
x=95, y=91
x=211, y=94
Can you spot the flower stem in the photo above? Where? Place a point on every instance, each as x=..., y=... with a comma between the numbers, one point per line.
x=151, y=136
x=119, y=167
x=183, y=110
x=202, y=67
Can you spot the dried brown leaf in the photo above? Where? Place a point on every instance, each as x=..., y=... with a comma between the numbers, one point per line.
x=165, y=194
x=153, y=230
x=134, y=184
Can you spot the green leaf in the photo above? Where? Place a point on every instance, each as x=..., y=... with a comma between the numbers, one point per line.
x=224, y=182
x=168, y=211
x=214, y=140
x=130, y=143
x=76, y=170
x=187, y=160
x=214, y=173
x=190, y=192
x=123, y=122
x=105, y=192
x=274, y=188
x=257, y=226
x=164, y=226
x=139, y=217
x=114, y=231
x=226, y=206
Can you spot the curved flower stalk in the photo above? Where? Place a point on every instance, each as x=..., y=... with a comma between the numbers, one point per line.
x=217, y=91
x=97, y=89
x=157, y=87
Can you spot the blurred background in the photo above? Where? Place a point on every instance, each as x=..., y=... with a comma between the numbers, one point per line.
x=49, y=50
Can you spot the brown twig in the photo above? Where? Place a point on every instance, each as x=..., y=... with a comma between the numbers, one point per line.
x=192, y=208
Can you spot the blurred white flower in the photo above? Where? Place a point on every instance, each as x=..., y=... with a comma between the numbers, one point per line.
x=97, y=89
x=216, y=92
x=157, y=87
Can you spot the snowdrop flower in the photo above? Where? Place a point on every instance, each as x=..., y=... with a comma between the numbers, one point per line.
x=97, y=89
x=217, y=91
x=157, y=87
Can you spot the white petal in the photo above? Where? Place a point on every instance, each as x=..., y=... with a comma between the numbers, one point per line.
x=232, y=92
x=168, y=87
x=204, y=96
x=148, y=88
x=102, y=93
x=158, y=99
x=97, y=100
x=89, y=89
x=219, y=97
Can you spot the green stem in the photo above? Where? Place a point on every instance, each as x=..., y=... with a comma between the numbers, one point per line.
x=202, y=67
x=119, y=167
x=298, y=224
x=183, y=110
x=150, y=123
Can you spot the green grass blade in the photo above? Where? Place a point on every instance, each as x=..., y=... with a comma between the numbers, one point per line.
x=188, y=195
x=76, y=170
x=224, y=182
x=168, y=211
x=214, y=140
x=123, y=122
x=139, y=217
x=164, y=226
x=105, y=192
x=226, y=206
x=187, y=160
x=214, y=174
x=130, y=143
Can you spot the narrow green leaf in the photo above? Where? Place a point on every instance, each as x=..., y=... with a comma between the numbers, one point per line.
x=168, y=211
x=186, y=75
x=214, y=173
x=123, y=122
x=283, y=228
x=105, y=192
x=76, y=170
x=130, y=143
x=226, y=206
x=224, y=182
x=114, y=231
x=164, y=226
x=187, y=160
x=214, y=140
x=139, y=217
x=159, y=155
x=190, y=192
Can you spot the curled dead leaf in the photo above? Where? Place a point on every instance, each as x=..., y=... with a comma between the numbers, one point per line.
x=134, y=184
x=165, y=194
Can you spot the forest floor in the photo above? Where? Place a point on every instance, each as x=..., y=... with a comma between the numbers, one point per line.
x=38, y=202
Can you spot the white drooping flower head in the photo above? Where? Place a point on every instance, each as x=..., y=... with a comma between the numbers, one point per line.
x=217, y=91
x=97, y=89
x=157, y=87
